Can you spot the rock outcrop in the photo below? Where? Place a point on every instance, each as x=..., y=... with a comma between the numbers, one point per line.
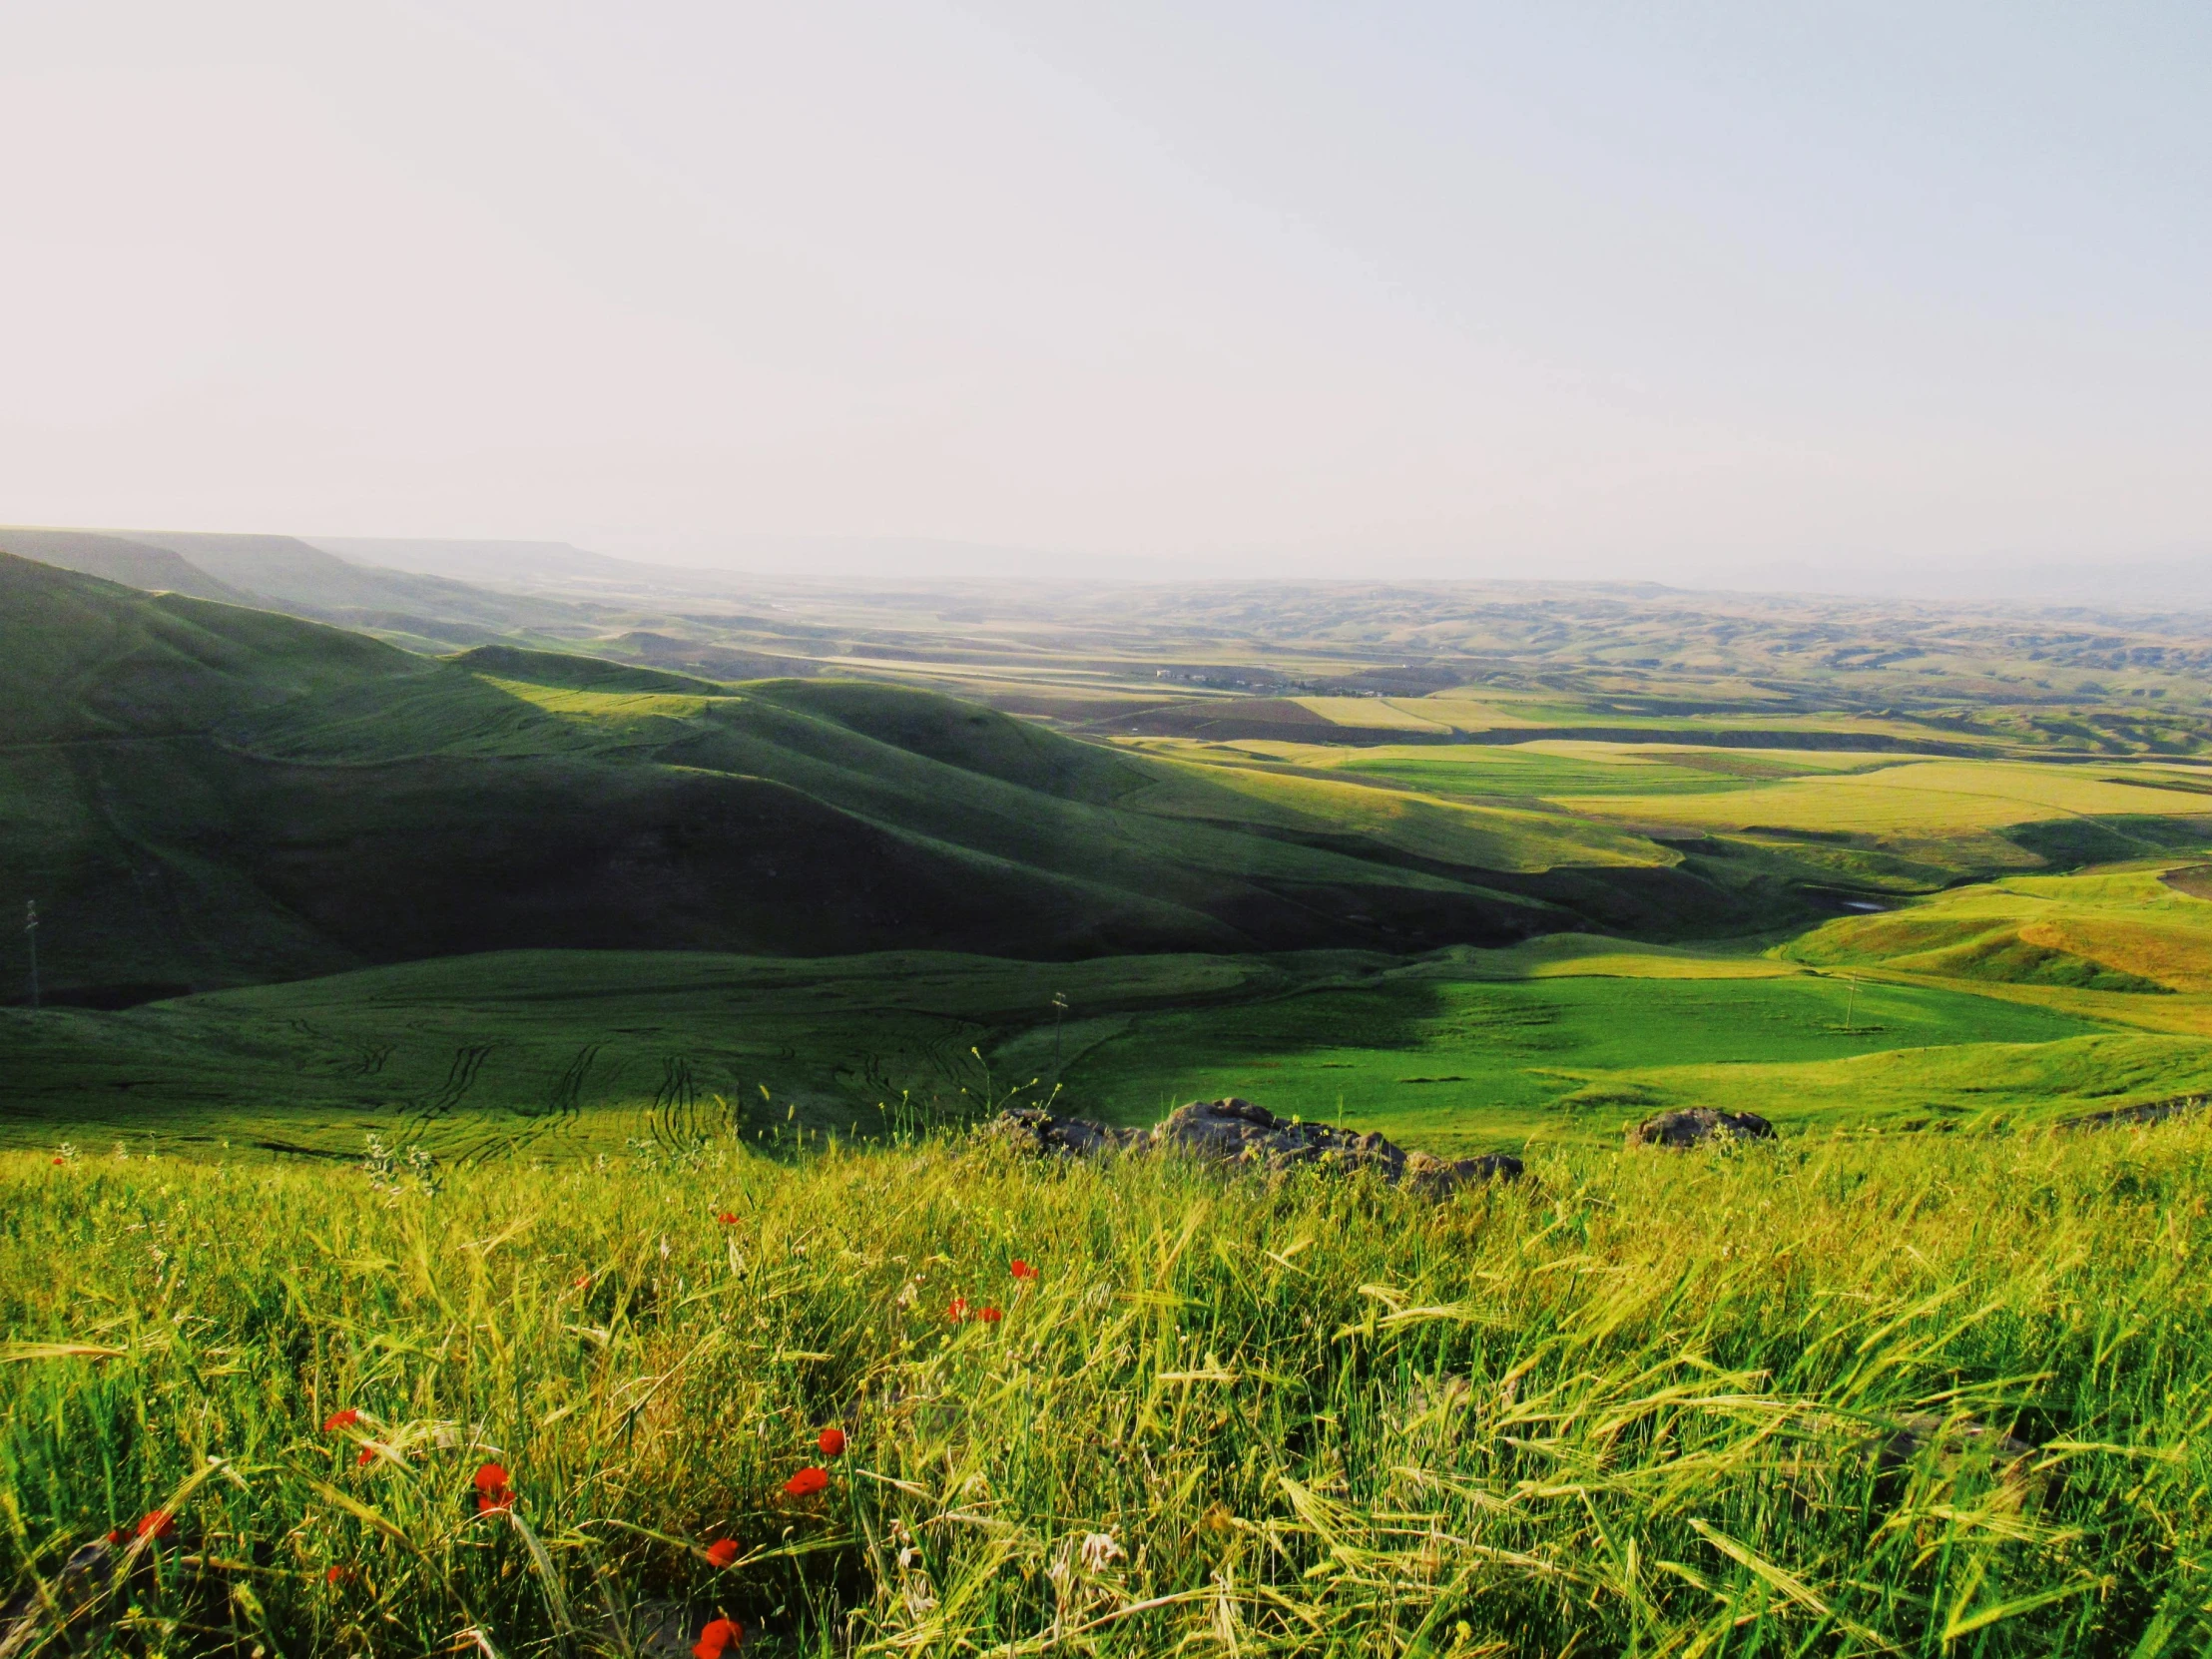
x=1699, y=1126
x=1238, y=1132
x=1033, y=1129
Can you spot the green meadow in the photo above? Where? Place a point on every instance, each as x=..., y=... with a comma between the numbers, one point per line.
x=1564, y=1040
x=1845, y=1395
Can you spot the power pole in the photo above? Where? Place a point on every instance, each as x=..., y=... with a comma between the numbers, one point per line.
x=30, y=934
x=1059, y=1013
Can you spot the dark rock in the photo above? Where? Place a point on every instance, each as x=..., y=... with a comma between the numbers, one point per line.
x=1954, y=1438
x=1238, y=1132
x=86, y=1596
x=1949, y=1447
x=1698, y=1126
x=1034, y=1130
x=2151, y=1111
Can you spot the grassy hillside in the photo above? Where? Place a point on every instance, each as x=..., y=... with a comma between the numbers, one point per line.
x=1560, y=1041
x=2130, y=943
x=202, y=795
x=1927, y=1396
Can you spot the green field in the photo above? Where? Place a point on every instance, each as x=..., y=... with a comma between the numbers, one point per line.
x=1923, y=1395
x=1563, y=1041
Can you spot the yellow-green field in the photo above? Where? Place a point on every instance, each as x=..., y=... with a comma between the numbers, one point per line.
x=1919, y=798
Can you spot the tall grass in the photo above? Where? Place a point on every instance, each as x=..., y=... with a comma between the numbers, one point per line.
x=1927, y=1395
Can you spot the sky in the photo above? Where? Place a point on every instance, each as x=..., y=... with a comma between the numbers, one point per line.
x=1206, y=286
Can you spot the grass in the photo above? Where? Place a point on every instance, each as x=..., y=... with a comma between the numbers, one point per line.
x=1655, y=1404
x=1468, y=1064
x=1561, y=1040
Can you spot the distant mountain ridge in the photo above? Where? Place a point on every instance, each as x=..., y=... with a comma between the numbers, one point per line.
x=288, y=574
x=138, y=564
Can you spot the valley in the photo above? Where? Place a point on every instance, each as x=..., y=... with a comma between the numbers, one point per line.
x=301, y=883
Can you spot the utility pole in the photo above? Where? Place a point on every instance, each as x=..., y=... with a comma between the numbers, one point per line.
x=1850, y=997
x=30, y=934
x=1059, y=1013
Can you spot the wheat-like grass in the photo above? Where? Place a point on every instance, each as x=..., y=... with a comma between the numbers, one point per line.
x=1924, y=1394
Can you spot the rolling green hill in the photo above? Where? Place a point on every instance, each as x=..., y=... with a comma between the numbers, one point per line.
x=203, y=795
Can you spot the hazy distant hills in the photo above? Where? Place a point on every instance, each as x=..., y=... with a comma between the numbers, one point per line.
x=138, y=564
x=494, y=563
x=284, y=573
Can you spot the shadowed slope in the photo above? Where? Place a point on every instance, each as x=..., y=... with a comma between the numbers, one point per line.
x=200, y=793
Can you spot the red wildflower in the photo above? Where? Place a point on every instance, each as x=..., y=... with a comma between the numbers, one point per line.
x=340, y=1419
x=493, y=1494
x=806, y=1481
x=728, y=1217
x=583, y=1280
x=115, y=1534
x=990, y=1316
x=61, y=1160
x=719, y=1636
x=156, y=1523
x=832, y=1441
x=337, y=1576
x=959, y=1309
x=365, y=1456
x=1022, y=1269
x=721, y=1552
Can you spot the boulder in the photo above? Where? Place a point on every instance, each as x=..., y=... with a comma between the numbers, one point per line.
x=1953, y=1439
x=1238, y=1132
x=1032, y=1129
x=1699, y=1126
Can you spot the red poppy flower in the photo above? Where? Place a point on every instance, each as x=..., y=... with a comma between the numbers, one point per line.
x=115, y=1534
x=721, y=1552
x=728, y=1217
x=719, y=1636
x=340, y=1419
x=156, y=1523
x=990, y=1316
x=61, y=1160
x=807, y=1483
x=337, y=1576
x=583, y=1280
x=1022, y=1269
x=365, y=1456
x=959, y=1309
x=832, y=1441
x=493, y=1494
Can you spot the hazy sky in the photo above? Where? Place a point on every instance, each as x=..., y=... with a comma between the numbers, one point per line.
x=1420, y=289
